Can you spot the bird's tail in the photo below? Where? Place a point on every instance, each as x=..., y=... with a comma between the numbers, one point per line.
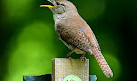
x=102, y=62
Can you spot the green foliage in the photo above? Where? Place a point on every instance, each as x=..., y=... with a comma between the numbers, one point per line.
x=91, y=9
x=17, y=8
x=32, y=53
x=28, y=41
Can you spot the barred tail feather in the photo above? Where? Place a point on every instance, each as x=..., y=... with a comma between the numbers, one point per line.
x=102, y=62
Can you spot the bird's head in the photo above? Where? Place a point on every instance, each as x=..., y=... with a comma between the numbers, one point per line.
x=61, y=6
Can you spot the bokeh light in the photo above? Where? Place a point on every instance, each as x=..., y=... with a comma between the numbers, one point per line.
x=17, y=8
x=32, y=53
x=95, y=8
x=28, y=41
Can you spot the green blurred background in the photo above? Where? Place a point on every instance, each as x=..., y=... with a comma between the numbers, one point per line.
x=28, y=41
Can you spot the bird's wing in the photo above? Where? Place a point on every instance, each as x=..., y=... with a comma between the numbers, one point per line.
x=90, y=36
x=75, y=36
x=85, y=28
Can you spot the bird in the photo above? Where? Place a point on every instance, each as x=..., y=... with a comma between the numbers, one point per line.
x=75, y=33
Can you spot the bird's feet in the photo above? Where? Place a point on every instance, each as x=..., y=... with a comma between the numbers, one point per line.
x=69, y=54
x=83, y=58
x=68, y=57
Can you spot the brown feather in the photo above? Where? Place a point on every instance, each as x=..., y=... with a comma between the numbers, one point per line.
x=76, y=33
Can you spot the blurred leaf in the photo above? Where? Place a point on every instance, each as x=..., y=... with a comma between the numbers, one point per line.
x=91, y=9
x=17, y=8
x=33, y=53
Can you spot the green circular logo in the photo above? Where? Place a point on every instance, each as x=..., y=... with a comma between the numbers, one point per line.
x=72, y=78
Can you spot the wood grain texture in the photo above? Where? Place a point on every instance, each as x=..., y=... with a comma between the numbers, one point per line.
x=62, y=67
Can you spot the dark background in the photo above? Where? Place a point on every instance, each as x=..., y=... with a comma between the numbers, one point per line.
x=28, y=41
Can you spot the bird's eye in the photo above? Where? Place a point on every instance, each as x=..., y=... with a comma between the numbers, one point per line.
x=58, y=3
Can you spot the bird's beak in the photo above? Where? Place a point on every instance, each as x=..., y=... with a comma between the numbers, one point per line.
x=49, y=6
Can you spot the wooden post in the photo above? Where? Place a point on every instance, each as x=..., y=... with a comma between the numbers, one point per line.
x=63, y=67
